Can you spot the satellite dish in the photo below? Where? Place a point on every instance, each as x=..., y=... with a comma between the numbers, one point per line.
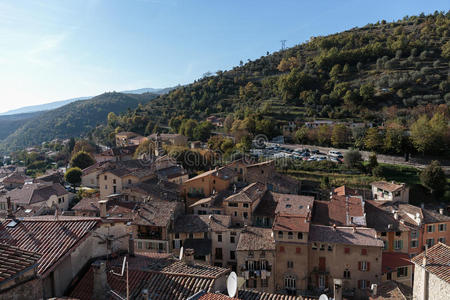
x=232, y=284
x=323, y=297
x=181, y=253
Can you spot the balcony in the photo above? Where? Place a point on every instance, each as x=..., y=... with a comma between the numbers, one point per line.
x=149, y=245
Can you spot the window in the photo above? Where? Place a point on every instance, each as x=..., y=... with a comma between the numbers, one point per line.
x=251, y=265
x=232, y=255
x=322, y=247
x=314, y=246
x=347, y=250
x=106, y=187
x=289, y=282
x=383, y=233
x=262, y=254
x=430, y=242
x=347, y=274
x=398, y=244
x=398, y=233
x=321, y=282
x=129, y=181
x=330, y=248
x=281, y=249
x=364, y=266
x=442, y=227
x=414, y=234
x=430, y=228
x=263, y=265
x=386, y=245
x=230, y=204
x=363, y=284
x=290, y=235
x=389, y=276
x=218, y=253
x=251, y=253
x=191, y=235
x=205, y=235
x=219, y=238
x=300, y=236
x=290, y=264
x=245, y=214
x=114, y=181
x=235, y=213
x=280, y=234
x=414, y=244
x=441, y=240
x=363, y=251
x=232, y=239
x=264, y=283
x=105, y=177
x=245, y=205
x=298, y=250
x=402, y=272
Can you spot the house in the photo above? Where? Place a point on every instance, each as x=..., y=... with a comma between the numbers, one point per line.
x=256, y=258
x=15, y=180
x=77, y=240
x=398, y=267
x=113, y=181
x=350, y=254
x=240, y=206
x=390, y=191
x=37, y=194
x=208, y=183
x=432, y=273
x=123, y=138
x=116, y=154
x=341, y=211
x=154, y=189
x=436, y=227
x=198, y=232
x=391, y=290
x=151, y=276
x=173, y=139
x=216, y=121
x=265, y=172
x=18, y=275
x=176, y=174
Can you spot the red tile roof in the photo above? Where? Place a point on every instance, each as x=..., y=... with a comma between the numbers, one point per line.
x=388, y=186
x=50, y=238
x=438, y=261
x=392, y=260
x=297, y=205
x=291, y=223
x=14, y=260
x=255, y=238
x=345, y=191
x=345, y=235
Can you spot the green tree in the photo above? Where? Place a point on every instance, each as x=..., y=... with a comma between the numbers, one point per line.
x=149, y=128
x=433, y=177
x=373, y=162
x=82, y=160
x=73, y=176
x=202, y=131
x=187, y=128
x=147, y=147
x=366, y=91
x=301, y=135
x=339, y=135
x=324, y=135
x=373, y=139
x=394, y=140
x=422, y=135
x=353, y=159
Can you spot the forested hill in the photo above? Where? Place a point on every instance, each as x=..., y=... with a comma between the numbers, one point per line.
x=375, y=73
x=72, y=120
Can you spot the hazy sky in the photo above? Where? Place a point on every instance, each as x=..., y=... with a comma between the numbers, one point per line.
x=63, y=49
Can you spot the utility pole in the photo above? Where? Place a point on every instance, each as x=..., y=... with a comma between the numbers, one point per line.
x=283, y=44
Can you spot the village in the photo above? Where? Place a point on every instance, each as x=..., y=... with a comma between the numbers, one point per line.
x=181, y=234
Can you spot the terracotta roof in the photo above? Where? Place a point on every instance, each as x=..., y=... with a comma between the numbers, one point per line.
x=392, y=260
x=46, y=236
x=248, y=194
x=171, y=172
x=15, y=260
x=291, y=223
x=267, y=205
x=201, y=247
x=164, y=136
x=156, y=213
x=381, y=218
x=15, y=178
x=224, y=173
x=87, y=204
x=35, y=193
x=345, y=191
x=438, y=261
x=255, y=295
x=297, y=205
x=344, y=235
x=433, y=216
x=202, y=223
x=156, y=189
x=255, y=238
x=127, y=134
x=163, y=277
x=388, y=186
x=340, y=210
x=392, y=290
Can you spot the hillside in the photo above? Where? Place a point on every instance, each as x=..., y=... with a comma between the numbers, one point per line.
x=72, y=120
x=381, y=72
x=10, y=123
x=42, y=107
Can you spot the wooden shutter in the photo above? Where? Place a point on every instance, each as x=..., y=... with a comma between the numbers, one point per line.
x=298, y=250
x=359, y=284
x=359, y=265
x=368, y=266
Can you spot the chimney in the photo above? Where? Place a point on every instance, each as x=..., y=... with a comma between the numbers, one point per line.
x=10, y=214
x=100, y=289
x=374, y=289
x=441, y=211
x=131, y=245
x=337, y=289
x=188, y=256
x=102, y=206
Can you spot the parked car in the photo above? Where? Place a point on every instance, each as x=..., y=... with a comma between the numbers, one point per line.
x=320, y=158
x=315, y=151
x=335, y=153
x=335, y=159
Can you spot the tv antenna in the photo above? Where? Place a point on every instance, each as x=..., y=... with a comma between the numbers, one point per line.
x=283, y=44
x=181, y=253
x=232, y=284
x=124, y=267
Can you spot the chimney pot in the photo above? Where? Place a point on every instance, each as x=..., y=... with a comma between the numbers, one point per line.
x=100, y=288
x=102, y=205
x=441, y=211
x=10, y=214
x=131, y=245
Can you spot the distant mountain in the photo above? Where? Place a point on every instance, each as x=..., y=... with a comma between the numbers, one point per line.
x=10, y=123
x=72, y=120
x=56, y=104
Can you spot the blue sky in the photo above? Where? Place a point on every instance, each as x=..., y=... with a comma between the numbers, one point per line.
x=62, y=49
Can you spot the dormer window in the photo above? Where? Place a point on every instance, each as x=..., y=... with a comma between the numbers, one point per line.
x=280, y=234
